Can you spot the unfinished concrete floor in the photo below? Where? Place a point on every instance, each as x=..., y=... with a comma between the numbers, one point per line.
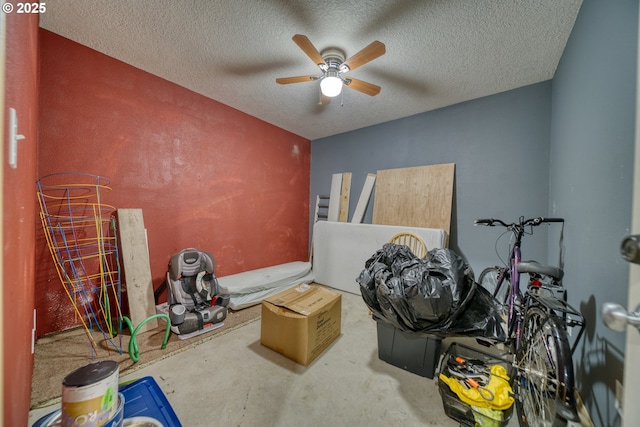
x=232, y=380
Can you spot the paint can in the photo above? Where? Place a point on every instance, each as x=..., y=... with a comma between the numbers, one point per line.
x=141, y=422
x=54, y=419
x=90, y=395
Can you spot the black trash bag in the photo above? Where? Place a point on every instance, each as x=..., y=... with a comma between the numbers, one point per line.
x=481, y=318
x=426, y=295
x=415, y=294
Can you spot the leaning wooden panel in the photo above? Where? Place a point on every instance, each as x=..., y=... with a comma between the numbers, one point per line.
x=344, y=197
x=334, y=197
x=358, y=214
x=137, y=270
x=419, y=196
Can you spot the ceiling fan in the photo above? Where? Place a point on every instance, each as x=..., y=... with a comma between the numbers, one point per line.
x=333, y=65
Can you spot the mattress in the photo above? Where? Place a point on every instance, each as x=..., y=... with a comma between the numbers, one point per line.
x=251, y=287
x=340, y=249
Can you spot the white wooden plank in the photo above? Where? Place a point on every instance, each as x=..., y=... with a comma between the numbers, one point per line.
x=334, y=197
x=358, y=214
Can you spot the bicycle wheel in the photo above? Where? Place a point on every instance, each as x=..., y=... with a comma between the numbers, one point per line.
x=490, y=280
x=545, y=385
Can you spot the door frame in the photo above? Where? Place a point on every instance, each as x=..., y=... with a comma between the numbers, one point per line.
x=630, y=408
x=3, y=44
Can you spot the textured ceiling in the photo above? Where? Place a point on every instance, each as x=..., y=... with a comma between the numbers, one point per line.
x=438, y=52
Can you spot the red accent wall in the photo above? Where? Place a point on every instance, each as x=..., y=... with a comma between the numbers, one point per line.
x=205, y=175
x=19, y=211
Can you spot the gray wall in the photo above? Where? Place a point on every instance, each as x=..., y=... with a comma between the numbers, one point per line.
x=500, y=145
x=560, y=148
x=591, y=173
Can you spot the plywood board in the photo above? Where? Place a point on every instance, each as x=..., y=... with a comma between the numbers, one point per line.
x=344, y=197
x=137, y=270
x=363, y=201
x=418, y=196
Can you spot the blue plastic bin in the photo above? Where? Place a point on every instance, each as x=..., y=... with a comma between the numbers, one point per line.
x=142, y=398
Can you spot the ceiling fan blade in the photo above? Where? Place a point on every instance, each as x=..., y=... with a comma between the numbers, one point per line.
x=361, y=86
x=368, y=54
x=305, y=44
x=297, y=79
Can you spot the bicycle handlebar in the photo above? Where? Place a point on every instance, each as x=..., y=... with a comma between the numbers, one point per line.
x=491, y=222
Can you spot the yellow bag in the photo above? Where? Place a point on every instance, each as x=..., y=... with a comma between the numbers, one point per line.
x=498, y=388
x=485, y=417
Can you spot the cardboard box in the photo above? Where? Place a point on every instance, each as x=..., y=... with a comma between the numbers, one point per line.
x=301, y=322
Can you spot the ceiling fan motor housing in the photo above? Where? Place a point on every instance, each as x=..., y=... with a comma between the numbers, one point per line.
x=333, y=58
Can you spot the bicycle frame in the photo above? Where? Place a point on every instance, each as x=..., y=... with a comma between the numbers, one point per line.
x=515, y=317
x=522, y=304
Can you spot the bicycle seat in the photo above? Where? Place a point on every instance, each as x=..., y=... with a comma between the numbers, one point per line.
x=536, y=267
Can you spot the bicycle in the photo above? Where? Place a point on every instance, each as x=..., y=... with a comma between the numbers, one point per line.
x=538, y=322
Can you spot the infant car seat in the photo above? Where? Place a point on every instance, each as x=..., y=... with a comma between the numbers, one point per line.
x=193, y=292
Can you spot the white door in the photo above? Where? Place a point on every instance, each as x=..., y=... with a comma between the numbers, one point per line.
x=630, y=407
x=617, y=317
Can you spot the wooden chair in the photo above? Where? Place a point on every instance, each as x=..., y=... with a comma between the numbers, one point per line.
x=412, y=240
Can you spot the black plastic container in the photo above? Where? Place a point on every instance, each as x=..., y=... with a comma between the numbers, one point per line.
x=414, y=352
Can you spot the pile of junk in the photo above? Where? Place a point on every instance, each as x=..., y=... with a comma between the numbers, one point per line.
x=417, y=302
x=436, y=295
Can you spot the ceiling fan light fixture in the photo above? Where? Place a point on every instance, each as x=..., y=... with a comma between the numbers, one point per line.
x=331, y=84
